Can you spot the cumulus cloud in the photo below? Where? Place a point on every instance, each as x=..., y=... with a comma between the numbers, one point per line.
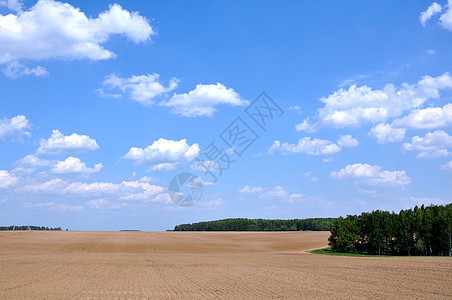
x=385, y=133
x=432, y=10
x=356, y=106
x=432, y=145
x=142, y=88
x=126, y=190
x=16, y=126
x=30, y=163
x=32, y=160
x=276, y=192
x=53, y=206
x=73, y=165
x=250, y=189
x=446, y=18
x=306, y=145
x=7, y=179
x=14, y=5
x=59, y=143
x=428, y=118
x=15, y=69
x=347, y=141
x=372, y=175
x=52, y=29
x=70, y=165
x=447, y=167
x=163, y=154
x=202, y=100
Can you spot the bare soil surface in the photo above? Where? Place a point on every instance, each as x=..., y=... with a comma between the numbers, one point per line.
x=206, y=265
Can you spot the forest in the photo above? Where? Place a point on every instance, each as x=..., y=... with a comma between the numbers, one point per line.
x=240, y=224
x=26, y=227
x=425, y=231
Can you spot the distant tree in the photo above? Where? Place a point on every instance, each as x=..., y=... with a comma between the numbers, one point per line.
x=241, y=224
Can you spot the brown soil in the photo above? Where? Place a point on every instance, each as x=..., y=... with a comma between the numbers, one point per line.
x=206, y=265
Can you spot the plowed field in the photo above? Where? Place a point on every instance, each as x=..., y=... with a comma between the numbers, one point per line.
x=206, y=265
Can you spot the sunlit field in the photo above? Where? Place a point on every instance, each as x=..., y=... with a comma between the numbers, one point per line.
x=212, y=265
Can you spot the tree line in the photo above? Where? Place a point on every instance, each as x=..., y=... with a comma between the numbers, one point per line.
x=28, y=228
x=418, y=231
x=241, y=224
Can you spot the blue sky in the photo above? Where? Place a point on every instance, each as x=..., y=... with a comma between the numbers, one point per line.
x=103, y=103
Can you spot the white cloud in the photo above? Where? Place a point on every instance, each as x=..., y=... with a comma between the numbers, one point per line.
x=430, y=51
x=33, y=161
x=30, y=163
x=163, y=167
x=250, y=189
x=54, y=206
x=432, y=10
x=295, y=108
x=432, y=145
x=73, y=165
x=143, y=88
x=163, y=154
x=148, y=179
x=306, y=145
x=7, y=179
x=357, y=171
x=59, y=143
x=52, y=29
x=385, y=133
x=276, y=192
x=126, y=190
x=347, y=141
x=16, y=126
x=447, y=167
x=14, y=5
x=103, y=94
x=308, y=174
x=446, y=18
x=362, y=105
x=372, y=175
x=104, y=204
x=428, y=118
x=279, y=192
x=305, y=125
x=15, y=69
x=201, y=100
